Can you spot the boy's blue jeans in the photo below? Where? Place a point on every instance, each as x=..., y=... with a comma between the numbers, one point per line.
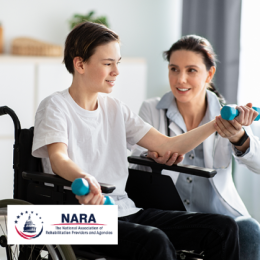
x=157, y=234
x=249, y=238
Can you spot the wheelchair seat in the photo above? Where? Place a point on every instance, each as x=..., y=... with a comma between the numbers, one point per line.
x=30, y=183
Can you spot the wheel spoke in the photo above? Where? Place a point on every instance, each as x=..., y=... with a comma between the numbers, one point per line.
x=41, y=250
x=2, y=230
x=32, y=248
x=39, y=253
x=16, y=251
x=14, y=256
x=46, y=254
x=5, y=225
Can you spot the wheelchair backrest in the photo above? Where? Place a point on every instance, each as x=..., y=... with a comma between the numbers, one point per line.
x=24, y=161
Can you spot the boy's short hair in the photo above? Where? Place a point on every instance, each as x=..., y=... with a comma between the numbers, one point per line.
x=82, y=41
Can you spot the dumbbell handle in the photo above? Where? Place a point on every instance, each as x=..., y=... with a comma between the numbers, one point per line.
x=80, y=187
x=229, y=112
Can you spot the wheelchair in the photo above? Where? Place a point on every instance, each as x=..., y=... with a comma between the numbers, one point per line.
x=30, y=188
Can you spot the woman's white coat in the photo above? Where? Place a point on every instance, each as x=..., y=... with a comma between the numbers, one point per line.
x=214, y=146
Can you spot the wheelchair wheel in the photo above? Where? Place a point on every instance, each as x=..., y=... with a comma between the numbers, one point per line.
x=29, y=252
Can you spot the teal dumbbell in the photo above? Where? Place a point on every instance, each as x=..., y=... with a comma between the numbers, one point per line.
x=80, y=187
x=230, y=112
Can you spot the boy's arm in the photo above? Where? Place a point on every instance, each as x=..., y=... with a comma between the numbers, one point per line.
x=149, y=113
x=63, y=166
x=181, y=144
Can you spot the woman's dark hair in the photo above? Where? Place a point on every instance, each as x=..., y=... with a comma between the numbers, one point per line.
x=199, y=45
x=82, y=41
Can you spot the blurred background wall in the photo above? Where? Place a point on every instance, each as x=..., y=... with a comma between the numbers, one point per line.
x=219, y=22
x=247, y=182
x=147, y=28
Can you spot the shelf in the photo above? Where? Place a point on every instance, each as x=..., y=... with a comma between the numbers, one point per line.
x=6, y=58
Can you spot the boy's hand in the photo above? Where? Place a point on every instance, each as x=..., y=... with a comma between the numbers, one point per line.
x=91, y=199
x=247, y=115
x=95, y=196
x=168, y=158
x=93, y=184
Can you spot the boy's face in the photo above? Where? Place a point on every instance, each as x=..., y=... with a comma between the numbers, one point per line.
x=101, y=70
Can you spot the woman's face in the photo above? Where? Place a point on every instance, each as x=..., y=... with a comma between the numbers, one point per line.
x=188, y=76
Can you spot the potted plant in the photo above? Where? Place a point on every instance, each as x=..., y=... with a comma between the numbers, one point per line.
x=79, y=18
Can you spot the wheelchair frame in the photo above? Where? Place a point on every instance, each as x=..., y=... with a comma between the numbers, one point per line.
x=29, y=181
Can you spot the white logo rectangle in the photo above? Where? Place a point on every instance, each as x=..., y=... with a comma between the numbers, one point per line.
x=62, y=224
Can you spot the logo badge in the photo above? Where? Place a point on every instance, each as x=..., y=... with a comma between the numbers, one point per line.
x=62, y=224
x=29, y=225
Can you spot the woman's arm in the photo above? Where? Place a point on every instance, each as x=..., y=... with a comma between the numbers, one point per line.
x=181, y=144
x=233, y=129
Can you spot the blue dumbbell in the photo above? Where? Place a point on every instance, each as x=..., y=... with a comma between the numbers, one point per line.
x=80, y=187
x=230, y=112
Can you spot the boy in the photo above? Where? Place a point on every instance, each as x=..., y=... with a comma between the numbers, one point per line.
x=81, y=133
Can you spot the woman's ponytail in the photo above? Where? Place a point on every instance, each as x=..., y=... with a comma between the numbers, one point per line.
x=213, y=89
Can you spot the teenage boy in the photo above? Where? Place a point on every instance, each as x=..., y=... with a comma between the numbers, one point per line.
x=82, y=133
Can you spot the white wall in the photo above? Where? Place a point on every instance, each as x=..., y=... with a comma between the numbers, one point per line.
x=146, y=27
x=248, y=182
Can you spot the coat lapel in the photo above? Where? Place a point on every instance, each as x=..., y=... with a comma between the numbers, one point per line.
x=208, y=144
x=176, y=130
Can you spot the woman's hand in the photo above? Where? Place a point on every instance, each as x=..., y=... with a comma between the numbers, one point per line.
x=229, y=129
x=167, y=158
x=95, y=196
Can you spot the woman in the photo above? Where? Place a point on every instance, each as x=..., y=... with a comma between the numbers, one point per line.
x=193, y=101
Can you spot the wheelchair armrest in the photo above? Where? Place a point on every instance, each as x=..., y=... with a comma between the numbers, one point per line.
x=157, y=168
x=57, y=180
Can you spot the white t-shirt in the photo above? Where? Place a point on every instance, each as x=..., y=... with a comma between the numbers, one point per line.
x=97, y=140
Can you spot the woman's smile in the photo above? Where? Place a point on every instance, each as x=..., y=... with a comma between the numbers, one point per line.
x=183, y=90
